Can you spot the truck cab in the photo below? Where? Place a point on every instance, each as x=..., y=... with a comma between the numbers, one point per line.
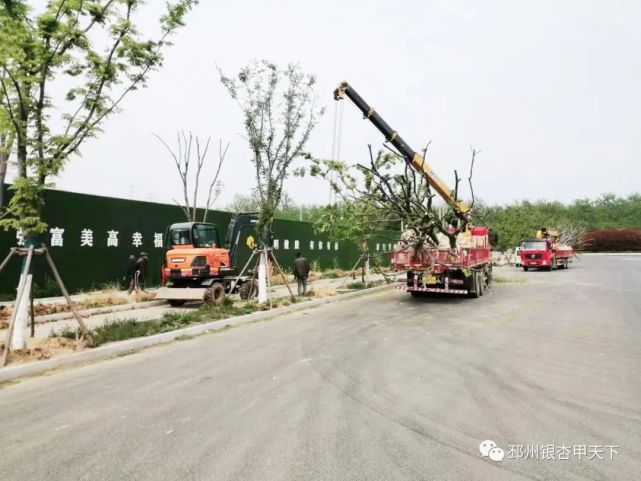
x=545, y=251
x=536, y=253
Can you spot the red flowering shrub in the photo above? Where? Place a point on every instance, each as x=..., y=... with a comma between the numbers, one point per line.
x=613, y=240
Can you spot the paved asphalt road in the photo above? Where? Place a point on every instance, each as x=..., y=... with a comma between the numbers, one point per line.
x=380, y=388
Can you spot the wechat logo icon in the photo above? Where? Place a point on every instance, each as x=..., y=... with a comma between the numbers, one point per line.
x=489, y=449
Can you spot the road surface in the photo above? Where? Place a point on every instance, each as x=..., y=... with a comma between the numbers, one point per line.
x=379, y=388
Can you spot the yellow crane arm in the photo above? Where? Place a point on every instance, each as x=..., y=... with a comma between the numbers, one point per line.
x=414, y=158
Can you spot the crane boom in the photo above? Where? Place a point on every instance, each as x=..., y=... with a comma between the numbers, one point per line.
x=414, y=158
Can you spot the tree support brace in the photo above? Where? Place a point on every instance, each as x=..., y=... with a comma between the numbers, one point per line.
x=29, y=253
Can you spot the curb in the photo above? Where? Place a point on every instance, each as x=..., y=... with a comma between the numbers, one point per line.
x=111, y=350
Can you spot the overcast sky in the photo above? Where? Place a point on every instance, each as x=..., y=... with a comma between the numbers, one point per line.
x=549, y=91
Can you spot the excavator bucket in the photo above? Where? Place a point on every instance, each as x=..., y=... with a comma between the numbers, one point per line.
x=181, y=293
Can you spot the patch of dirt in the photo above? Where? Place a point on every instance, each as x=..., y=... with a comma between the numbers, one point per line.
x=40, y=349
x=145, y=296
x=321, y=292
x=106, y=299
x=5, y=316
x=114, y=298
x=39, y=309
x=277, y=280
x=46, y=309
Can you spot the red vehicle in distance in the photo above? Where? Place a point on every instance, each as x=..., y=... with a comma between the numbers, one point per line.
x=545, y=252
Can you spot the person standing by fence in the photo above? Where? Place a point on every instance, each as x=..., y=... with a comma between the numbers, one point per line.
x=131, y=274
x=301, y=273
x=143, y=267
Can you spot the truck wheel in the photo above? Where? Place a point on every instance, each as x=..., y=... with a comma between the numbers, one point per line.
x=488, y=277
x=215, y=295
x=175, y=302
x=248, y=289
x=525, y=268
x=477, y=290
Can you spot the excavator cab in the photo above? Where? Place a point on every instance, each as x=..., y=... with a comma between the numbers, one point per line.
x=193, y=253
x=194, y=234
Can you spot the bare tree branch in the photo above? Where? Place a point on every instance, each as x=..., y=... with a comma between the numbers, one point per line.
x=474, y=152
x=182, y=158
x=215, y=182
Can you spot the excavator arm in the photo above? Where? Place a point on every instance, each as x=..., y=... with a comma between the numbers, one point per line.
x=415, y=159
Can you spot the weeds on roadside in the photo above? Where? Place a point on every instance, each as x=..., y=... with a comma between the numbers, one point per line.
x=315, y=265
x=48, y=288
x=366, y=285
x=505, y=280
x=131, y=328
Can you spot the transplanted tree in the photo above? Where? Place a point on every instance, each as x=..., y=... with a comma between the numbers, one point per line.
x=279, y=112
x=389, y=190
x=93, y=52
x=189, y=148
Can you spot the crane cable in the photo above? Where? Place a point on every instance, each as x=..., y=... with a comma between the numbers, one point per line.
x=337, y=140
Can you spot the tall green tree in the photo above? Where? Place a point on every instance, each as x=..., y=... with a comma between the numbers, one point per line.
x=519, y=220
x=90, y=49
x=7, y=136
x=286, y=209
x=279, y=112
x=350, y=220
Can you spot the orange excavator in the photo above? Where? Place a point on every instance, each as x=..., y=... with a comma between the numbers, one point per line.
x=197, y=268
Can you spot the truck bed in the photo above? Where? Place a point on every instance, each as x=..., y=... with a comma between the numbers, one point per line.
x=408, y=258
x=564, y=253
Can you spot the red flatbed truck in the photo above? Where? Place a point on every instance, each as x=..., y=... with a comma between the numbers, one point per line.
x=544, y=252
x=464, y=270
